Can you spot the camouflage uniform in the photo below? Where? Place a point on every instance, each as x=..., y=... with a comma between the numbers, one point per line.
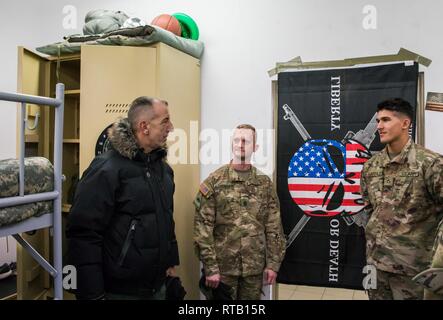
x=406, y=195
x=437, y=262
x=39, y=177
x=237, y=229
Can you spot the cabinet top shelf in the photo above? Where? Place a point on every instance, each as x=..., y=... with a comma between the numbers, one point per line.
x=71, y=140
x=76, y=91
x=32, y=138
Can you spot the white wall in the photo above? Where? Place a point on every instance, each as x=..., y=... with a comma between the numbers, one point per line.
x=244, y=39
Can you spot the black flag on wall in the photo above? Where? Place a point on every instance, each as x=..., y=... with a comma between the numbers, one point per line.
x=326, y=132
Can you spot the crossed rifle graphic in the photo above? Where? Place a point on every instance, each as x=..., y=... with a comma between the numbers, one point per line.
x=363, y=138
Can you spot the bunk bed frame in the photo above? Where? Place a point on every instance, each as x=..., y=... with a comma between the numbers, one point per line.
x=53, y=219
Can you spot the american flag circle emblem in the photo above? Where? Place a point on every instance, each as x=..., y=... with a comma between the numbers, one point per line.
x=324, y=177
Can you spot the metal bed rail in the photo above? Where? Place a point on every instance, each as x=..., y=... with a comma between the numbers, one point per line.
x=35, y=223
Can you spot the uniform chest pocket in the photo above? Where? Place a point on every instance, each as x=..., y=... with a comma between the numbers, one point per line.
x=403, y=184
x=375, y=186
x=226, y=203
x=257, y=201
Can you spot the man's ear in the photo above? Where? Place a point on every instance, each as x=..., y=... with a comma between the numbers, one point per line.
x=144, y=127
x=406, y=123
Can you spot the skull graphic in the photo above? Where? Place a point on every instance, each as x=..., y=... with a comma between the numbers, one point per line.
x=324, y=177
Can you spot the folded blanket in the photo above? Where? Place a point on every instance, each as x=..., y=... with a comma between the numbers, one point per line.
x=101, y=21
x=137, y=36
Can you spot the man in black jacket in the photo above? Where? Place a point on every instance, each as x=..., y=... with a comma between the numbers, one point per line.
x=120, y=232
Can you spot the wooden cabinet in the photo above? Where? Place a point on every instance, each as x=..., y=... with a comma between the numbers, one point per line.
x=100, y=84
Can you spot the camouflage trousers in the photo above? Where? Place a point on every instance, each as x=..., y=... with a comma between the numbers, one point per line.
x=392, y=286
x=244, y=288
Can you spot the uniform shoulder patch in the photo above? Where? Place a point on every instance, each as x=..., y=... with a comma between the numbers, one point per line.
x=204, y=189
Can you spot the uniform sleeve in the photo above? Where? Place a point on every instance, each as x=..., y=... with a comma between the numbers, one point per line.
x=204, y=221
x=363, y=187
x=275, y=238
x=435, y=291
x=434, y=180
x=361, y=219
x=437, y=261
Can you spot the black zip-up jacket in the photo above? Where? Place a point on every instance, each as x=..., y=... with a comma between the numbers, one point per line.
x=120, y=230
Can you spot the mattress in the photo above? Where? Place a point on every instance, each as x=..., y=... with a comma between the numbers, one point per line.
x=39, y=177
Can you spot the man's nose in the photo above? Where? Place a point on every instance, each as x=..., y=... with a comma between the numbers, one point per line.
x=379, y=126
x=171, y=127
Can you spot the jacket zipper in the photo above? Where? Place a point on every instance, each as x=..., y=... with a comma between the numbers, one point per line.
x=160, y=208
x=127, y=243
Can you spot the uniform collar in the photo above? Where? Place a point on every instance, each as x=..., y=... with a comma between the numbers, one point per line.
x=235, y=176
x=407, y=154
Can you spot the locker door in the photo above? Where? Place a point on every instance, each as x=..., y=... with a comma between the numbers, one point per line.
x=111, y=77
x=33, y=78
x=179, y=84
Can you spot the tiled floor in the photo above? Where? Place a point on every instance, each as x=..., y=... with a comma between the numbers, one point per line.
x=293, y=292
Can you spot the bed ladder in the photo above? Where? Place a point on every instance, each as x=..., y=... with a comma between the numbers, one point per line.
x=54, y=270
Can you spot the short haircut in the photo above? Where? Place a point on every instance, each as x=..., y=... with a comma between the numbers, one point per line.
x=399, y=105
x=139, y=105
x=250, y=127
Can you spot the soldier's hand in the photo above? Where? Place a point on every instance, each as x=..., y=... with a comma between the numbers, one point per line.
x=271, y=275
x=213, y=281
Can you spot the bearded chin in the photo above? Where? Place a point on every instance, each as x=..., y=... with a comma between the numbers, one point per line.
x=240, y=159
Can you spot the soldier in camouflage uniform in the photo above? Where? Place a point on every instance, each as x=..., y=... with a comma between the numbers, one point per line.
x=403, y=186
x=237, y=228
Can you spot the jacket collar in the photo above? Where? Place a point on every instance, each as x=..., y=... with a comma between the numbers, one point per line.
x=123, y=141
